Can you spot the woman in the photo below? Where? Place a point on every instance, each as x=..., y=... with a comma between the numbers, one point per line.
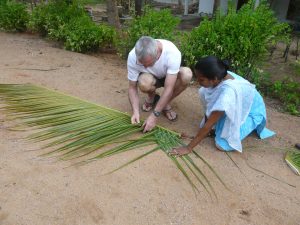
x=233, y=107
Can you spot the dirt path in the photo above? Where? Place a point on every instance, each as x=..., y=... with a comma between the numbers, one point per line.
x=151, y=191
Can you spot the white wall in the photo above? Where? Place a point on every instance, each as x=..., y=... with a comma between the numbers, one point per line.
x=176, y=1
x=206, y=6
x=224, y=5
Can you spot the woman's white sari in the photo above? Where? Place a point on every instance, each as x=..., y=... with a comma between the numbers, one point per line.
x=244, y=111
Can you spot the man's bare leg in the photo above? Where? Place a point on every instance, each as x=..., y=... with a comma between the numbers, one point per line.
x=146, y=84
x=184, y=77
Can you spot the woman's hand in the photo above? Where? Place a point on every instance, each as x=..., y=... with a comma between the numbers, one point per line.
x=202, y=133
x=180, y=151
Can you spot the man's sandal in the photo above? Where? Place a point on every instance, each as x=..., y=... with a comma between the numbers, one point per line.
x=168, y=114
x=148, y=106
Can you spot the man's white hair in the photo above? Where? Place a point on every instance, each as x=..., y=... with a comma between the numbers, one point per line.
x=146, y=46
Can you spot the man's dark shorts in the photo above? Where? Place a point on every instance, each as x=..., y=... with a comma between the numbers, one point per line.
x=159, y=82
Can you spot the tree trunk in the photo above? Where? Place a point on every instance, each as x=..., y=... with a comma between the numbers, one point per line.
x=180, y=7
x=216, y=5
x=138, y=7
x=112, y=14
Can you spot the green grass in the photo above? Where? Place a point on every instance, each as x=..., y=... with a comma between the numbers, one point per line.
x=94, y=2
x=296, y=67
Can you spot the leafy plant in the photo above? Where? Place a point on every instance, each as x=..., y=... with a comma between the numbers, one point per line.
x=94, y=2
x=296, y=67
x=242, y=37
x=288, y=92
x=82, y=35
x=262, y=80
x=13, y=16
x=157, y=24
x=76, y=128
x=49, y=19
x=70, y=24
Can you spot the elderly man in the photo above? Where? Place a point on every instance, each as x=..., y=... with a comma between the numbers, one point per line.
x=155, y=63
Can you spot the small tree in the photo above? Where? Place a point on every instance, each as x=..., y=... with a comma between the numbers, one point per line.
x=216, y=5
x=112, y=14
x=13, y=16
x=157, y=24
x=138, y=7
x=241, y=37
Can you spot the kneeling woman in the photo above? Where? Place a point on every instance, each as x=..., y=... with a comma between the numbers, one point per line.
x=233, y=107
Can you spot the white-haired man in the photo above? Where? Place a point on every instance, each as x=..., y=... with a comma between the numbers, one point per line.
x=151, y=64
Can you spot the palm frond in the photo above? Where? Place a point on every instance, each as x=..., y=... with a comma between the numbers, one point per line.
x=75, y=128
x=293, y=160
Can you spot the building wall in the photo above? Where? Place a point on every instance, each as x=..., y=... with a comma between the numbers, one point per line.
x=224, y=5
x=176, y=1
x=280, y=8
x=206, y=6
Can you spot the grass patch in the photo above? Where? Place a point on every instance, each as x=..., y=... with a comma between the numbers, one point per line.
x=94, y=2
x=296, y=67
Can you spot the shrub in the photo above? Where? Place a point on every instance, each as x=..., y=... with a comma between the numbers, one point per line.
x=83, y=35
x=288, y=92
x=37, y=22
x=49, y=19
x=296, y=67
x=262, y=81
x=69, y=23
x=13, y=16
x=157, y=24
x=241, y=37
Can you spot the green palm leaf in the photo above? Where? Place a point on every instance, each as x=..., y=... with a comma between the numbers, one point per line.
x=292, y=158
x=75, y=128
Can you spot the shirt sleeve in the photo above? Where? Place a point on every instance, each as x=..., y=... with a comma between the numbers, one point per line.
x=174, y=62
x=133, y=73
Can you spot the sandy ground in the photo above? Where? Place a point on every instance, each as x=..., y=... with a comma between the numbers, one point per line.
x=40, y=191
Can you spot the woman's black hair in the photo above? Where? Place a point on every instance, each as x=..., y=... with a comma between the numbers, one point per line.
x=212, y=67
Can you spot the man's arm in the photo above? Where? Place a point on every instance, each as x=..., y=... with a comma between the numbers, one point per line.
x=134, y=101
x=170, y=81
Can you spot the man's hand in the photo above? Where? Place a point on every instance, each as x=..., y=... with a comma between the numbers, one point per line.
x=149, y=123
x=135, y=118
